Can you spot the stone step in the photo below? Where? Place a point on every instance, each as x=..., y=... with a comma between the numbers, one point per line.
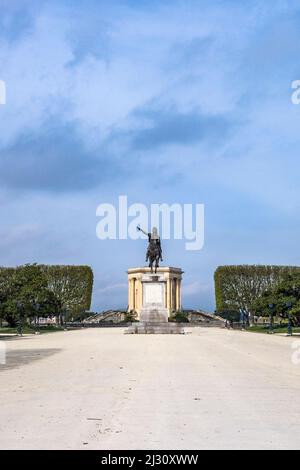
x=151, y=328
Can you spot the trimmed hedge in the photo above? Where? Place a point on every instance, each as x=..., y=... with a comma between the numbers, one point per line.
x=237, y=287
x=71, y=285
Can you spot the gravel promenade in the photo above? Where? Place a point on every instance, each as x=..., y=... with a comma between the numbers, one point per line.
x=101, y=389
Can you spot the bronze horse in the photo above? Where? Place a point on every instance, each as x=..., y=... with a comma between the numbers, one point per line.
x=153, y=255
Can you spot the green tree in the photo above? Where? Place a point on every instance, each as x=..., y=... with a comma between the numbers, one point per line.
x=285, y=298
x=26, y=285
x=29, y=288
x=72, y=287
x=6, y=288
x=44, y=290
x=238, y=287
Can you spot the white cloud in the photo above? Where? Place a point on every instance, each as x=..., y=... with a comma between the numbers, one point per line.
x=187, y=57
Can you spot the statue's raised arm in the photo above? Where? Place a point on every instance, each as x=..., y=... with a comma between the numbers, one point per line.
x=141, y=230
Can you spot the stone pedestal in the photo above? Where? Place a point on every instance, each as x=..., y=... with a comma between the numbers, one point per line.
x=172, y=288
x=153, y=314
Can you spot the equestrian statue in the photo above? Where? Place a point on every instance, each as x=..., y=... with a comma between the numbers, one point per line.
x=154, y=251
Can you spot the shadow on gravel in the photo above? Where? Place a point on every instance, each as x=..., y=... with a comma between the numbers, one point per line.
x=22, y=357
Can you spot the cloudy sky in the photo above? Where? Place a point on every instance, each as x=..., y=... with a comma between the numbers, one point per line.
x=162, y=101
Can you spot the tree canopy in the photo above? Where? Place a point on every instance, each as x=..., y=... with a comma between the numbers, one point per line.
x=284, y=299
x=44, y=290
x=238, y=287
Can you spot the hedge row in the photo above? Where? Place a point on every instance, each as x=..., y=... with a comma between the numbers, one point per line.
x=237, y=287
x=70, y=285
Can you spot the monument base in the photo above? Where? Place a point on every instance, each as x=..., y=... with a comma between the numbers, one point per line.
x=154, y=321
x=171, y=278
x=154, y=314
x=145, y=328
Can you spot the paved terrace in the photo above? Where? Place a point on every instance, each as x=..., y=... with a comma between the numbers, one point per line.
x=101, y=389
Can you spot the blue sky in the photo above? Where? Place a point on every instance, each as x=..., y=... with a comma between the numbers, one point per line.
x=174, y=101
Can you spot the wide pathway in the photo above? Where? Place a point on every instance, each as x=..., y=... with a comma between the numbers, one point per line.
x=101, y=389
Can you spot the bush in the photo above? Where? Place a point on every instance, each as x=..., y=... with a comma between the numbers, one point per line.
x=230, y=315
x=130, y=317
x=179, y=317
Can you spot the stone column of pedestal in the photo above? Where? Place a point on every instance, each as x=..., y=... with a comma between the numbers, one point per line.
x=139, y=295
x=170, y=294
x=179, y=294
x=178, y=306
x=174, y=294
x=166, y=294
x=133, y=294
x=129, y=294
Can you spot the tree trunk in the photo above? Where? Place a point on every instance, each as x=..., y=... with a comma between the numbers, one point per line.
x=250, y=318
